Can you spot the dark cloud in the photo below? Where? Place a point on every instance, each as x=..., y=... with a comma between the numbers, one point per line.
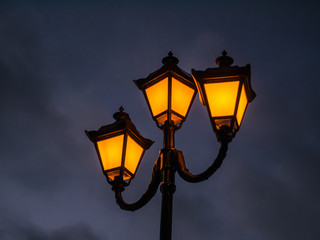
x=28, y=116
x=65, y=68
x=79, y=231
x=18, y=230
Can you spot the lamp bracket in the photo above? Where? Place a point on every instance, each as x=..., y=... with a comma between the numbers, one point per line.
x=118, y=188
x=189, y=177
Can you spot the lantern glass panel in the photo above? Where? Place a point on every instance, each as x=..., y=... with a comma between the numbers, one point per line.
x=162, y=118
x=225, y=122
x=114, y=173
x=222, y=97
x=133, y=155
x=221, y=122
x=110, y=151
x=242, y=105
x=175, y=118
x=181, y=97
x=157, y=96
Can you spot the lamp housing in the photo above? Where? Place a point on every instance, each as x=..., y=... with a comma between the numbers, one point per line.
x=226, y=92
x=169, y=92
x=120, y=148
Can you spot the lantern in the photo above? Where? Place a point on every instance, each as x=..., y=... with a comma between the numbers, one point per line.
x=169, y=92
x=226, y=92
x=120, y=147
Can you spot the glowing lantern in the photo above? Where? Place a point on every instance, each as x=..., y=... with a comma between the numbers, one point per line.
x=169, y=92
x=226, y=92
x=120, y=147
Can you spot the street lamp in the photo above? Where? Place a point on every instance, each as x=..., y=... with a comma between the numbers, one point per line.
x=169, y=92
x=225, y=91
x=120, y=148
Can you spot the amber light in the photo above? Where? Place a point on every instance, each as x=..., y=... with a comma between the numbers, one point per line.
x=222, y=98
x=111, y=152
x=243, y=102
x=177, y=104
x=158, y=97
x=169, y=92
x=133, y=153
x=120, y=147
x=181, y=97
x=225, y=91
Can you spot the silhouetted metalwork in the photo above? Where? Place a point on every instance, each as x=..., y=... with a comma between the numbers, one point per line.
x=171, y=160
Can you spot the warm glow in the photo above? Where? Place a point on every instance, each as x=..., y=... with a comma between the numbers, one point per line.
x=158, y=97
x=162, y=119
x=224, y=121
x=242, y=105
x=111, y=152
x=181, y=97
x=133, y=154
x=115, y=173
x=222, y=97
x=176, y=119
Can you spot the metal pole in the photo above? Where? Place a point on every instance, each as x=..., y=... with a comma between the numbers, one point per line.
x=166, y=215
x=167, y=186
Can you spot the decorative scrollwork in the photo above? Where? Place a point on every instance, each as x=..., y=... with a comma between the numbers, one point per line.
x=189, y=177
x=118, y=188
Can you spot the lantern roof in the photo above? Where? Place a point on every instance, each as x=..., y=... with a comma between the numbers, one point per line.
x=169, y=65
x=225, y=69
x=123, y=123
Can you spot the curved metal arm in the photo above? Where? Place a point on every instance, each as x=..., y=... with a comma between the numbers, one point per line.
x=189, y=177
x=118, y=188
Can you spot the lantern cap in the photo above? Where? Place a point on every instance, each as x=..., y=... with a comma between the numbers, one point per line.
x=169, y=66
x=123, y=123
x=118, y=116
x=224, y=60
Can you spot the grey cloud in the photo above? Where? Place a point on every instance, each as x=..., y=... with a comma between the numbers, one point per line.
x=79, y=231
x=11, y=230
x=65, y=68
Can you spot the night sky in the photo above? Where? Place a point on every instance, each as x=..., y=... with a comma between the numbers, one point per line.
x=67, y=67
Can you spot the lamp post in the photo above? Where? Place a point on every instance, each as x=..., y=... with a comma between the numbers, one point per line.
x=169, y=92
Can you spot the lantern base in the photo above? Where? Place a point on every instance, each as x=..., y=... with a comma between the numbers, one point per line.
x=225, y=134
x=114, y=174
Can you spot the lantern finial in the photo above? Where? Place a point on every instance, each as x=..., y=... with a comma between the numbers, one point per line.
x=118, y=116
x=224, y=60
x=170, y=59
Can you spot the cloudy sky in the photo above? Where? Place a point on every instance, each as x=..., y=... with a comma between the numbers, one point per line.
x=67, y=67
